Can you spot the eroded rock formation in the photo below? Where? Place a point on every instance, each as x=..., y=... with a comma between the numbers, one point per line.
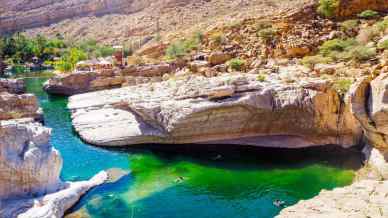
x=23, y=14
x=236, y=109
x=13, y=106
x=81, y=82
x=369, y=106
x=30, y=185
x=29, y=164
x=15, y=86
x=351, y=7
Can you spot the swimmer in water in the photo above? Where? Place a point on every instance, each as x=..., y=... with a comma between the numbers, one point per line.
x=279, y=203
x=179, y=179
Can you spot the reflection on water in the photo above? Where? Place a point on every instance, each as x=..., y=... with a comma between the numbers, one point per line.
x=191, y=180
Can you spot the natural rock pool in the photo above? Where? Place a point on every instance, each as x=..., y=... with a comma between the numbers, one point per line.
x=211, y=181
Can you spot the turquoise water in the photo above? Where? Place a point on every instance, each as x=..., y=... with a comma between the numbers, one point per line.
x=184, y=182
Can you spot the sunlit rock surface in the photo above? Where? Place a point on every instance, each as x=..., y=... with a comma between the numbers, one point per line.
x=13, y=106
x=367, y=198
x=233, y=109
x=29, y=164
x=29, y=173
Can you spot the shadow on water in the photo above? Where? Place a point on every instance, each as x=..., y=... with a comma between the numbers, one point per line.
x=242, y=157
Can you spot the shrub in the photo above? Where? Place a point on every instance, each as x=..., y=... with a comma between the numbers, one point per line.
x=267, y=33
x=362, y=53
x=383, y=44
x=68, y=61
x=381, y=25
x=327, y=8
x=338, y=45
x=368, y=14
x=311, y=61
x=348, y=49
x=261, y=78
x=342, y=86
x=236, y=64
x=182, y=47
x=349, y=25
x=219, y=39
x=176, y=50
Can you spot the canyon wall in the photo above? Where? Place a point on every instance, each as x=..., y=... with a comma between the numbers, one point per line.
x=23, y=14
x=351, y=7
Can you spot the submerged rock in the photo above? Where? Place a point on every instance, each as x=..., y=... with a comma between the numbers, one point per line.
x=230, y=109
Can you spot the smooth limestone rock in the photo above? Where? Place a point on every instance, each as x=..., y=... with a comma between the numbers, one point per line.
x=52, y=205
x=230, y=109
x=30, y=186
x=29, y=164
x=367, y=198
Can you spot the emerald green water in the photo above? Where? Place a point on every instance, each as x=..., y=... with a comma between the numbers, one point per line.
x=183, y=182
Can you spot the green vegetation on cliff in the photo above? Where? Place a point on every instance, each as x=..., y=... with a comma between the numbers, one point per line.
x=327, y=8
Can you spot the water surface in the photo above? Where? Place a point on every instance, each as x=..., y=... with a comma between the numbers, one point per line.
x=183, y=182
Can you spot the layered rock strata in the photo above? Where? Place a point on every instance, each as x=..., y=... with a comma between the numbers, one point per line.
x=369, y=105
x=15, y=86
x=23, y=14
x=235, y=109
x=368, y=197
x=13, y=106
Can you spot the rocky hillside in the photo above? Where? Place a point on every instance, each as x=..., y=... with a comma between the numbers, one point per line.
x=125, y=20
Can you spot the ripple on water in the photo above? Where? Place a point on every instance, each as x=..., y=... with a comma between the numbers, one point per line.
x=185, y=182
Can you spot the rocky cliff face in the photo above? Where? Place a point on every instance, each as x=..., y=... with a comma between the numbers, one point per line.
x=29, y=164
x=30, y=167
x=15, y=86
x=369, y=106
x=225, y=109
x=81, y=82
x=13, y=106
x=22, y=14
x=30, y=184
x=125, y=20
x=351, y=7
